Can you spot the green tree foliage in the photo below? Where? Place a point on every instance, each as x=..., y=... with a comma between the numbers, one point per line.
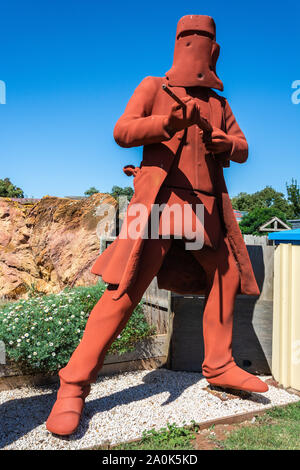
x=293, y=192
x=117, y=191
x=92, y=190
x=258, y=216
x=7, y=189
x=266, y=198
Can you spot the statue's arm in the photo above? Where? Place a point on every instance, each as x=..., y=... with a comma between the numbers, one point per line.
x=239, y=150
x=137, y=126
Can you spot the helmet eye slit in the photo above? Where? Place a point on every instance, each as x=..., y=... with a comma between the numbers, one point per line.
x=191, y=32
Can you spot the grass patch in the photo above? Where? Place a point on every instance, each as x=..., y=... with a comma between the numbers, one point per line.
x=170, y=438
x=277, y=429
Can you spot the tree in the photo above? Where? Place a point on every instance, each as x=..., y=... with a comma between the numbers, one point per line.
x=117, y=191
x=8, y=189
x=92, y=190
x=266, y=198
x=293, y=192
x=258, y=216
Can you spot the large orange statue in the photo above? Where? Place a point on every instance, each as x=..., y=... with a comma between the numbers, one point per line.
x=182, y=164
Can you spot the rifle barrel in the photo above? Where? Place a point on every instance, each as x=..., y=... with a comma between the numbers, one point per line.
x=170, y=93
x=205, y=125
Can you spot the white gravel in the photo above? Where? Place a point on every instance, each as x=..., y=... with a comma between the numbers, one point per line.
x=120, y=407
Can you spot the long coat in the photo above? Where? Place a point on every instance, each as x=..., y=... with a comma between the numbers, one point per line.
x=144, y=123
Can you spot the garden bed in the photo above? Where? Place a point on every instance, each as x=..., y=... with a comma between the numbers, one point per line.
x=150, y=353
x=41, y=333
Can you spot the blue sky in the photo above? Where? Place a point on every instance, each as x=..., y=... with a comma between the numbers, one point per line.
x=71, y=66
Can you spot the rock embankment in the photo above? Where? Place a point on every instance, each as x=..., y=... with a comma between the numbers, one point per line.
x=52, y=243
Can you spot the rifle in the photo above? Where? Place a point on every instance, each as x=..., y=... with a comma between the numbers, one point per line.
x=204, y=125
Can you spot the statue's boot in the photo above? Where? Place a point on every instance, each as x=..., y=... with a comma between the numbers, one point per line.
x=66, y=412
x=223, y=280
x=106, y=321
x=238, y=379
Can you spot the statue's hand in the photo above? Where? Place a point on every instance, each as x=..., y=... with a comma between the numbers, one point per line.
x=220, y=142
x=179, y=118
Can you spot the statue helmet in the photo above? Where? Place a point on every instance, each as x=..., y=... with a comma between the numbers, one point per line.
x=196, y=54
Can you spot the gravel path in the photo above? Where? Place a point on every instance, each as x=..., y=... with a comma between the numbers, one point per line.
x=120, y=407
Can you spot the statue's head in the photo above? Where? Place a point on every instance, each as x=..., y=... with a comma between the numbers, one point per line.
x=196, y=53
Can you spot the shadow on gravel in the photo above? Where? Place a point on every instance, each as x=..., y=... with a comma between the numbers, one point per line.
x=20, y=416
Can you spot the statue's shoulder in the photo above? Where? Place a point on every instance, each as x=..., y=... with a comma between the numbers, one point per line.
x=149, y=87
x=221, y=99
x=153, y=81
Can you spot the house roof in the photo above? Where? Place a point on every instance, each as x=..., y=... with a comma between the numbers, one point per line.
x=274, y=225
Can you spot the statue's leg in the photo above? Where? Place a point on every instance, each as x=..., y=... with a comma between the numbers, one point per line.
x=223, y=280
x=106, y=321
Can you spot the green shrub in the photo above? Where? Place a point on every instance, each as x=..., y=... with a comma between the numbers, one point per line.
x=169, y=438
x=41, y=333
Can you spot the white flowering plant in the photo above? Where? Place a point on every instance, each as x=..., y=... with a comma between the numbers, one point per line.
x=41, y=333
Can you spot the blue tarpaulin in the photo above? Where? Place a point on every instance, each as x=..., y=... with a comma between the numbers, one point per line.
x=286, y=236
